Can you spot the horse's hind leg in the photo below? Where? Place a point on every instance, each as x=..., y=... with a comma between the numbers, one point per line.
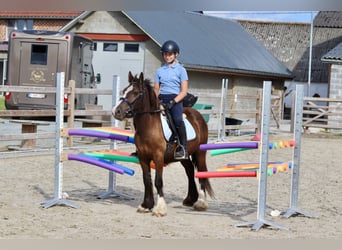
x=200, y=161
x=192, y=194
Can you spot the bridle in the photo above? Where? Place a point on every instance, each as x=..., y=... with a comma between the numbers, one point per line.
x=131, y=104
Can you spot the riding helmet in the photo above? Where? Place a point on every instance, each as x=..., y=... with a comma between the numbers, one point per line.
x=170, y=46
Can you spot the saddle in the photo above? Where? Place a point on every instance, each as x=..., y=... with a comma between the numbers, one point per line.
x=170, y=132
x=169, y=129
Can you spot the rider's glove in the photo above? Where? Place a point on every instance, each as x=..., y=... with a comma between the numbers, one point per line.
x=170, y=104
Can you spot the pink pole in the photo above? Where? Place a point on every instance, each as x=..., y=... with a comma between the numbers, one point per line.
x=226, y=174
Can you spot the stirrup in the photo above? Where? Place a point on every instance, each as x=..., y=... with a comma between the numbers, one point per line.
x=180, y=153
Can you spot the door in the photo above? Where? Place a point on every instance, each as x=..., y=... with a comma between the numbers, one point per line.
x=116, y=58
x=37, y=67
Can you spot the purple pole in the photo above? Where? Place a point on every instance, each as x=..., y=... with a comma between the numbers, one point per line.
x=125, y=169
x=93, y=161
x=229, y=145
x=99, y=134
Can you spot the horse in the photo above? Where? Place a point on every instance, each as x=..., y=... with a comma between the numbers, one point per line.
x=141, y=103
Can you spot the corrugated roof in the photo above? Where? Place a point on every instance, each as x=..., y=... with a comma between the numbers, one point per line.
x=334, y=55
x=290, y=43
x=40, y=14
x=331, y=19
x=210, y=43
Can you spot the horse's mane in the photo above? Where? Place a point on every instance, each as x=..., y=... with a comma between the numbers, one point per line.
x=147, y=85
x=153, y=98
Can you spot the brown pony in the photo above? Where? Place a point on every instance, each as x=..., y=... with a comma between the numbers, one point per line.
x=141, y=103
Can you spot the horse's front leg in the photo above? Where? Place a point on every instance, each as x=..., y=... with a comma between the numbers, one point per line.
x=160, y=209
x=148, y=202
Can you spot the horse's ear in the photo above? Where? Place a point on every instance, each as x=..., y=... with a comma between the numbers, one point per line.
x=130, y=77
x=141, y=77
x=141, y=80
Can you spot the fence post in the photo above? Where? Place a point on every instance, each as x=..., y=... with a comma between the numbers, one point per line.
x=258, y=114
x=71, y=108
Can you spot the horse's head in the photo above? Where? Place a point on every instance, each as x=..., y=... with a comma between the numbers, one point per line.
x=133, y=98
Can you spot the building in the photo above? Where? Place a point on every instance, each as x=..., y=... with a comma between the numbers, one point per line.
x=334, y=61
x=290, y=43
x=212, y=49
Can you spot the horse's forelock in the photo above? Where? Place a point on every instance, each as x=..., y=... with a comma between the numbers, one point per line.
x=127, y=89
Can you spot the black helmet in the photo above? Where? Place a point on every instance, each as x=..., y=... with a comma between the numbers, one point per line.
x=170, y=46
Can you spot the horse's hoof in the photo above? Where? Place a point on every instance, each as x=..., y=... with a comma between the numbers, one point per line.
x=143, y=210
x=188, y=202
x=158, y=213
x=160, y=210
x=201, y=205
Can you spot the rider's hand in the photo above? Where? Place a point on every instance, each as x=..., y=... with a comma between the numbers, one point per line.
x=170, y=104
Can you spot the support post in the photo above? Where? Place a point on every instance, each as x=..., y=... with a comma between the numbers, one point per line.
x=113, y=145
x=58, y=183
x=224, y=92
x=298, y=120
x=265, y=124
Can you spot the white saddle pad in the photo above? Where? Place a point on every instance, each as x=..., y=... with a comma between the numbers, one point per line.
x=190, y=131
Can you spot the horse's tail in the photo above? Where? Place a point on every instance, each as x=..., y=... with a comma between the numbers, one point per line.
x=204, y=181
x=208, y=188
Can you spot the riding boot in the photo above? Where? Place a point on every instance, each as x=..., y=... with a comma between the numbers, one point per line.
x=181, y=150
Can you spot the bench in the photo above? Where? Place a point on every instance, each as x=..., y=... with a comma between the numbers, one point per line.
x=29, y=126
x=91, y=123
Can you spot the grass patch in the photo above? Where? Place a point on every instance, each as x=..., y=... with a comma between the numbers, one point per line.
x=2, y=103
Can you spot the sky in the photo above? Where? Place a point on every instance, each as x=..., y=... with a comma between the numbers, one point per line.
x=276, y=16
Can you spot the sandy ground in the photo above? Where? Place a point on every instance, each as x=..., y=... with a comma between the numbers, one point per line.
x=28, y=181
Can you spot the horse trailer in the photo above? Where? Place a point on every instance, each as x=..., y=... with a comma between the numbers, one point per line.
x=35, y=57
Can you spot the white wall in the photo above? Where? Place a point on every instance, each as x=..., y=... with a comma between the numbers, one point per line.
x=319, y=88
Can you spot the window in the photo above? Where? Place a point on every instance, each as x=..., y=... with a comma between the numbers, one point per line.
x=131, y=47
x=94, y=48
x=19, y=24
x=24, y=25
x=39, y=54
x=110, y=47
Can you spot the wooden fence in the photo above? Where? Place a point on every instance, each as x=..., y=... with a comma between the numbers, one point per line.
x=70, y=113
x=324, y=113
x=248, y=116
x=239, y=112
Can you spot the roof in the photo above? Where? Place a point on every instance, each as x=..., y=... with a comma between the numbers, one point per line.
x=290, y=43
x=210, y=43
x=331, y=19
x=40, y=14
x=334, y=55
